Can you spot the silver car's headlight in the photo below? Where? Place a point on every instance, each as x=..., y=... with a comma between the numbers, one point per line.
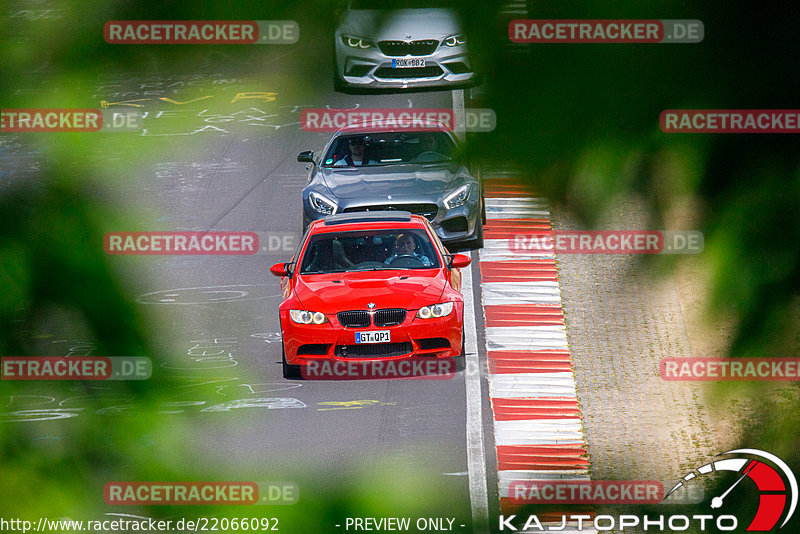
x=307, y=317
x=457, y=198
x=456, y=40
x=322, y=204
x=437, y=310
x=357, y=42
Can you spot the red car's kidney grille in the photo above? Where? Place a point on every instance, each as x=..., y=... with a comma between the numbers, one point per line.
x=361, y=318
x=390, y=317
x=373, y=350
x=354, y=319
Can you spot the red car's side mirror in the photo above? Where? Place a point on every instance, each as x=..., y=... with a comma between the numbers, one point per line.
x=280, y=269
x=459, y=261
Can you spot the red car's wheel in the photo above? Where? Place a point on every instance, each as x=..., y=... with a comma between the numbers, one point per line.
x=461, y=359
x=289, y=371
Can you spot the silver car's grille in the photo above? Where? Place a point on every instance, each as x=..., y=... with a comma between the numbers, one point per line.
x=428, y=211
x=431, y=71
x=424, y=47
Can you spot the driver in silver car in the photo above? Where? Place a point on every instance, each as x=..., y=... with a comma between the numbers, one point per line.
x=429, y=150
x=405, y=245
x=356, y=148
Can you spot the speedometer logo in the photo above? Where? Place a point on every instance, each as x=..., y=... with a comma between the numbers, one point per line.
x=774, y=482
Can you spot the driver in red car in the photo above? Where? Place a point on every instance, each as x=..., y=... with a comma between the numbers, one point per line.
x=404, y=245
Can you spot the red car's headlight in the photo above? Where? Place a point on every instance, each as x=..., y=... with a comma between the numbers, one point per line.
x=436, y=310
x=307, y=317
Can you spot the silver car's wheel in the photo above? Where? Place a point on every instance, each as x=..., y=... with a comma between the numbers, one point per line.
x=476, y=242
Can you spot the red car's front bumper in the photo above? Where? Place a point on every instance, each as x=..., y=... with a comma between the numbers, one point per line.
x=438, y=338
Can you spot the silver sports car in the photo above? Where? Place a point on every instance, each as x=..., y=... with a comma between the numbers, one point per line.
x=416, y=46
x=371, y=168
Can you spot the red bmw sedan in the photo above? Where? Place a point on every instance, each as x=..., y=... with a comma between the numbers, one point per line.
x=370, y=287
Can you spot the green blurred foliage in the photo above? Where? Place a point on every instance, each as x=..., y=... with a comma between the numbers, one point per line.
x=581, y=122
x=61, y=442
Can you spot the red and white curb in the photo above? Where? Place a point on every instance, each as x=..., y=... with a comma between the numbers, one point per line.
x=537, y=422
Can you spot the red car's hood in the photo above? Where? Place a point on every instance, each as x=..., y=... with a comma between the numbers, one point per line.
x=335, y=292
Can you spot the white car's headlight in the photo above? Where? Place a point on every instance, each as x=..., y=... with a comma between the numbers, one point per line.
x=456, y=40
x=437, y=310
x=322, y=204
x=457, y=198
x=307, y=317
x=356, y=42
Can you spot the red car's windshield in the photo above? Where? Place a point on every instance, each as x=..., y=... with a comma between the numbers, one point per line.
x=369, y=251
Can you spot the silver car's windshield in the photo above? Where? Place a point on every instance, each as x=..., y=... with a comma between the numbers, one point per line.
x=394, y=148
